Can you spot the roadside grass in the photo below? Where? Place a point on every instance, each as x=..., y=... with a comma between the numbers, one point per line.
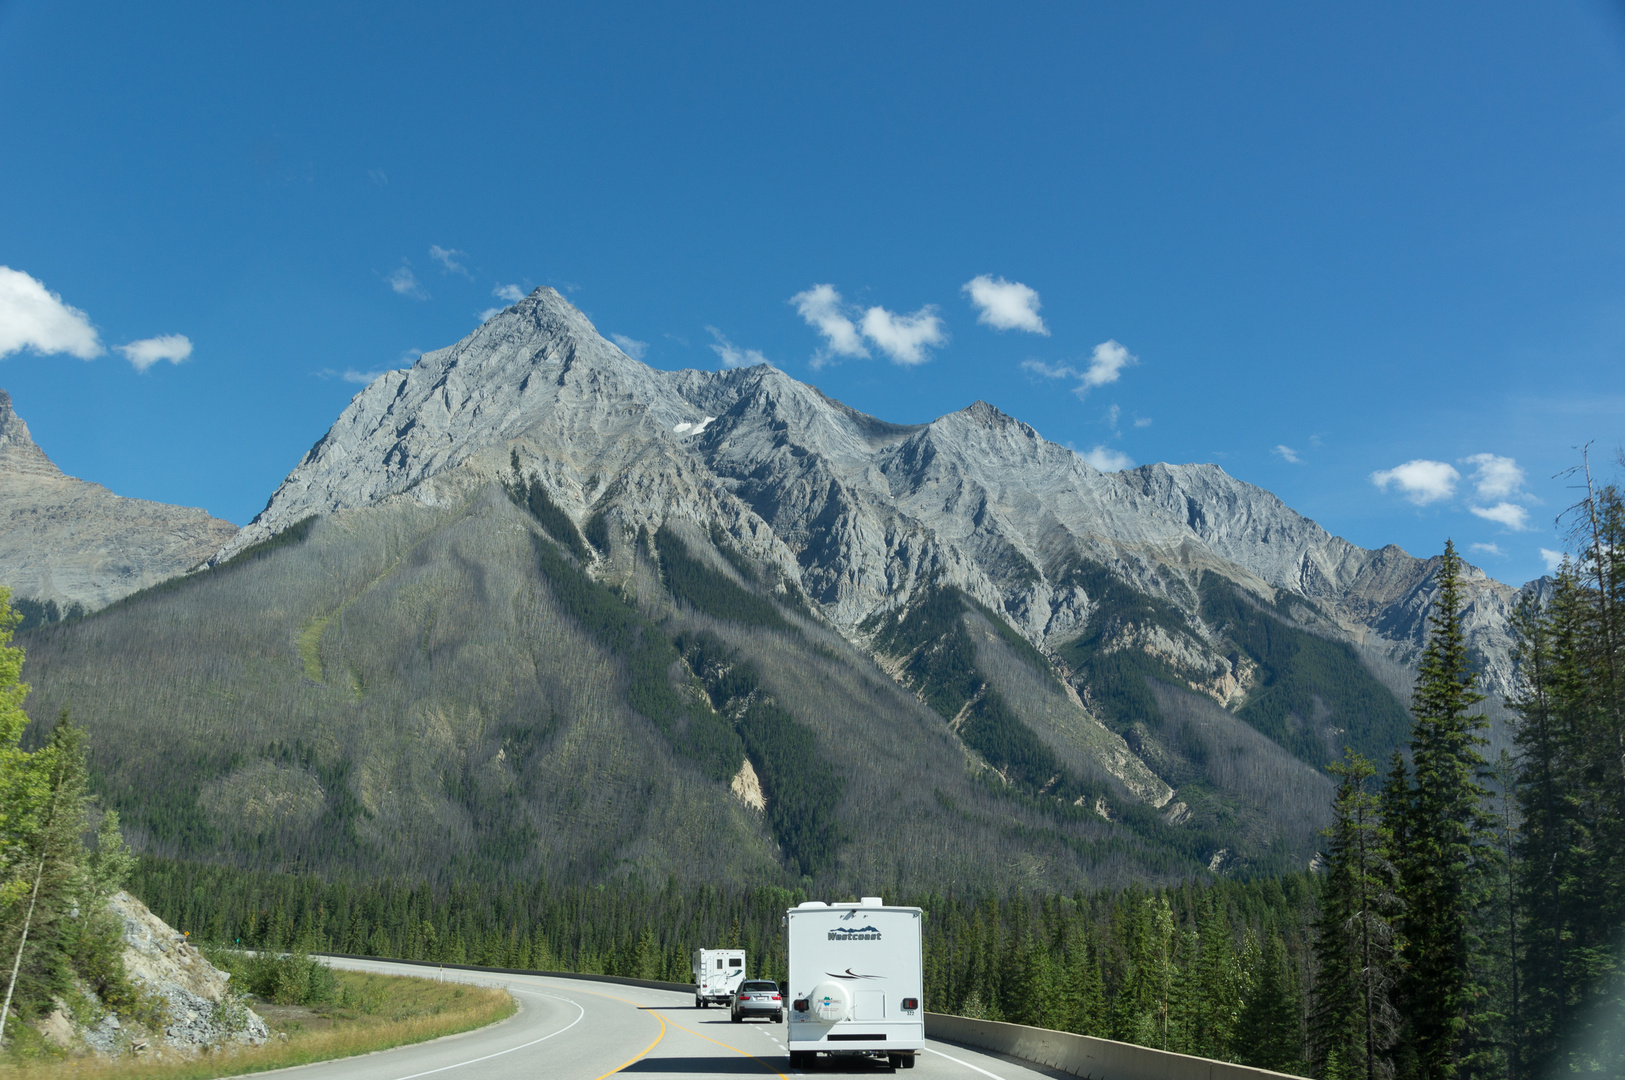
x=370, y=1012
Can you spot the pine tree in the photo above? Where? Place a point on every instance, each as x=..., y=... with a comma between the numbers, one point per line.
x=1443, y=838
x=1142, y=1005
x=1353, y=1023
x=1218, y=985
x=1571, y=773
x=1032, y=997
x=1268, y=1034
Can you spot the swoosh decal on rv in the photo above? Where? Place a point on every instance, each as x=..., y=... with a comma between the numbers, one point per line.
x=850, y=974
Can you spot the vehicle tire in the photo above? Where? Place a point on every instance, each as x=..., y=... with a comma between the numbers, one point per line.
x=778, y=1017
x=909, y=1060
x=798, y=1060
x=736, y=1018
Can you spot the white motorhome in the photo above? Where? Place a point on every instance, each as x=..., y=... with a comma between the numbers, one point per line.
x=856, y=981
x=717, y=975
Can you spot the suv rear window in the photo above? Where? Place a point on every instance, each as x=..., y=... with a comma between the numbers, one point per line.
x=763, y=986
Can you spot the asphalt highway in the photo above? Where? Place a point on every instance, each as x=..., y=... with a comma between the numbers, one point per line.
x=572, y=1029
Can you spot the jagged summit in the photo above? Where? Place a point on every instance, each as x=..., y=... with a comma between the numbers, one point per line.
x=18, y=454
x=758, y=576
x=65, y=541
x=861, y=511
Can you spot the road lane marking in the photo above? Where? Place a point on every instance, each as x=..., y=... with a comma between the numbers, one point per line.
x=724, y=1045
x=967, y=1064
x=646, y=1049
x=580, y=1013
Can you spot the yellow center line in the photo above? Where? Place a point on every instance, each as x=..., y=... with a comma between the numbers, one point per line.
x=735, y=1049
x=646, y=1049
x=655, y=1009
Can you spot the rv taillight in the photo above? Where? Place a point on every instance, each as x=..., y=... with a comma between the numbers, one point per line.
x=911, y=1003
x=800, y=1005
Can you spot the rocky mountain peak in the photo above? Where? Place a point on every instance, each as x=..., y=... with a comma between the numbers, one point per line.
x=18, y=454
x=65, y=541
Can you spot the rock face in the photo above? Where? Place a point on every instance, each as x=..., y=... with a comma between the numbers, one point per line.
x=860, y=512
x=71, y=542
x=201, y=1012
x=201, y=1009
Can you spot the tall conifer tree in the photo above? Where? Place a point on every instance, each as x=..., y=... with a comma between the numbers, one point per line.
x=1443, y=841
x=1353, y=1024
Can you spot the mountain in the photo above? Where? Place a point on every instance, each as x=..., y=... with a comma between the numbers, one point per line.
x=532, y=607
x=67, y=543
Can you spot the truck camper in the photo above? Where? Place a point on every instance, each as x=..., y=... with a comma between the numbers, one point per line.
x=856, y=981
x=717, y=975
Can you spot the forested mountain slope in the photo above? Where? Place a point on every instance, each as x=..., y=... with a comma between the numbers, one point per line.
x=532, y=607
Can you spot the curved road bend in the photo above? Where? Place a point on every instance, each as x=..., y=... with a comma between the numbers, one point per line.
x=569, y=1029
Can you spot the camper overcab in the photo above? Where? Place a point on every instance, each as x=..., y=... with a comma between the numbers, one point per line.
x=856, y=981
x=717, y=974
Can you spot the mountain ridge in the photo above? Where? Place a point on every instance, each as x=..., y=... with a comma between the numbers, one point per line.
x=532, y=607
x=71, y=543
x=860, y=509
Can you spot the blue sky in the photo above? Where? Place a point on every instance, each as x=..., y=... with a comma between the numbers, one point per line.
x=1367, y=256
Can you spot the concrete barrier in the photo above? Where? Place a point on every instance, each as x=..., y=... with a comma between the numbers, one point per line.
x=681, y=988
x=1083, y=1055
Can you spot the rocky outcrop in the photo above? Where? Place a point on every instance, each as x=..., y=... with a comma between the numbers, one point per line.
x=71, y=542
x=860, y=513
x=199, y=1010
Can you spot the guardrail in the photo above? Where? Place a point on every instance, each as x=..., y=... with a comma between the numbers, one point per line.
x=1084, y=1055
x=681, y=988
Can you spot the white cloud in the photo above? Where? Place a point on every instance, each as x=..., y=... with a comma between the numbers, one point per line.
x=1005, y=305
x=1553, y=560
x=1511, y=515
x=1142, y=421
x=630, y=346
x=1421, y=481
x=404, y=282
x=1287, y=454
x=1495, y=477
x=1050, y=371
x=511, y=293
x=731, y=354
x=449, y=258
x=1488, y=549
x=147, y=352
x=350, y=375
x=1106, y=459
x=904, y=338
x=33, y=317
x=1113, y=414
x=1106, y=364
x=378, y=176
x=823, y=310
x=485, y=316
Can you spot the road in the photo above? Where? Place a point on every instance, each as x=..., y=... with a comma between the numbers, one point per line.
x=569, y=1029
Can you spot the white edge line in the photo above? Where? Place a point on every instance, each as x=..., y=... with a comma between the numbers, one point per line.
x=580, y=1014
x=956, y=1061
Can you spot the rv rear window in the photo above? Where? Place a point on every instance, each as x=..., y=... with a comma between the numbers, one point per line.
x=736, y=962
x=719, y=963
